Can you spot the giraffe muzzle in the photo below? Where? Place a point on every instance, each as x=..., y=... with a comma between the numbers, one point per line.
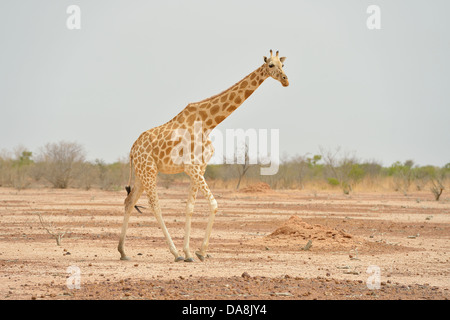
x=284, y=80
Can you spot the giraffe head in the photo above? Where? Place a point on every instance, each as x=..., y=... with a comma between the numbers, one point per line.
x=274, y=67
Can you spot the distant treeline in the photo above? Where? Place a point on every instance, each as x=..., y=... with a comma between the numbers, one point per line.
x=64, y=165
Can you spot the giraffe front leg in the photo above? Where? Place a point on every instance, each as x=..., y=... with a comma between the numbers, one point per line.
x=201, y=254
x=153, y=200
x=196, y=172
x=187, y=230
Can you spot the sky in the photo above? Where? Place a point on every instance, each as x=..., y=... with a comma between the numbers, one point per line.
x=381, y=94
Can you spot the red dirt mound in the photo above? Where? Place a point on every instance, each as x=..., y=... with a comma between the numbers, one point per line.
x=257, y=187
x=297, y=228
x=295, y=234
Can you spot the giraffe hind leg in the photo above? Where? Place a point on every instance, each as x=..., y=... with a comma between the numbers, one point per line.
x=130, y=201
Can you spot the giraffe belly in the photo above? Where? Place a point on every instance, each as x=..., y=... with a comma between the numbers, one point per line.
x=170, y=169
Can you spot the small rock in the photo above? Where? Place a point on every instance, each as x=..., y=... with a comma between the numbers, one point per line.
x=307, y=246
x=283, y=294
x=245, y=275
x=351, y=272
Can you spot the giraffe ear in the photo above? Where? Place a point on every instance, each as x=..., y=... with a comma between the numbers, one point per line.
x=265, y=59
x=282, y=59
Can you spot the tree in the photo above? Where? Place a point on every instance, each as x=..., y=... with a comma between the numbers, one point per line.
x=60, y=160
x=112, y=176
x=242, y=168
x=422, y=175
x=87, y=175
x=437, y=181
x=58, y=235
x=21, y=166
x=402, y=174
x=294, y=171
x=344, y=169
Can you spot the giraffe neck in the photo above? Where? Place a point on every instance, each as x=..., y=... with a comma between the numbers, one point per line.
x=212, y=111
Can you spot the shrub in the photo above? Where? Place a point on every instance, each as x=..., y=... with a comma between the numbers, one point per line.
x=60, y=159
x=333, y=182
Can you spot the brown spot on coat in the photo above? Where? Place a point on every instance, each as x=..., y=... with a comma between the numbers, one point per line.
x=232, y=108
x=219, y=119
x=191, y=119
x=191, y=109
x=203, y=114
x=214, y=110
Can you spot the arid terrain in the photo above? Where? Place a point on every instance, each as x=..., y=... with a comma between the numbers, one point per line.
x=265, y=244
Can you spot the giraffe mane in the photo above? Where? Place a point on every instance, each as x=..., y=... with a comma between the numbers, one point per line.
x=219, y=94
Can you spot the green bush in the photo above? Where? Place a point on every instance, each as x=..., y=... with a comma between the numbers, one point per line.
x=333, y=182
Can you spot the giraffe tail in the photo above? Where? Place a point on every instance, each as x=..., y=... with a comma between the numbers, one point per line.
x=138, y=208
x=130, y=175
x=128, y=187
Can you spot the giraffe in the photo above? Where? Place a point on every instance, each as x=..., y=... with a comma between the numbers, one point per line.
x=155, y=151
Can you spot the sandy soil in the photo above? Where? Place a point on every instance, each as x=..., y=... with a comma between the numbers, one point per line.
x=265, y=244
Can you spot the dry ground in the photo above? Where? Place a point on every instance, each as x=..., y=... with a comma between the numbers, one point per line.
x=256, y=246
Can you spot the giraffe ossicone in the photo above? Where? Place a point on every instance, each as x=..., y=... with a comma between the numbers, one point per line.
x=156, y=150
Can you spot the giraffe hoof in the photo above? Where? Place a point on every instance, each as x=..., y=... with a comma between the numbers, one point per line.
x=200, y=256
x=125, y=258
x=189, y=260
x=178, y=259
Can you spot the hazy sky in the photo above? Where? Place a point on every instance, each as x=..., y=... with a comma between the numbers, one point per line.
x=133, y=65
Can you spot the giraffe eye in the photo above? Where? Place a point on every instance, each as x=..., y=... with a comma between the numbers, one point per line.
x=271, y=65
x=282, y=66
